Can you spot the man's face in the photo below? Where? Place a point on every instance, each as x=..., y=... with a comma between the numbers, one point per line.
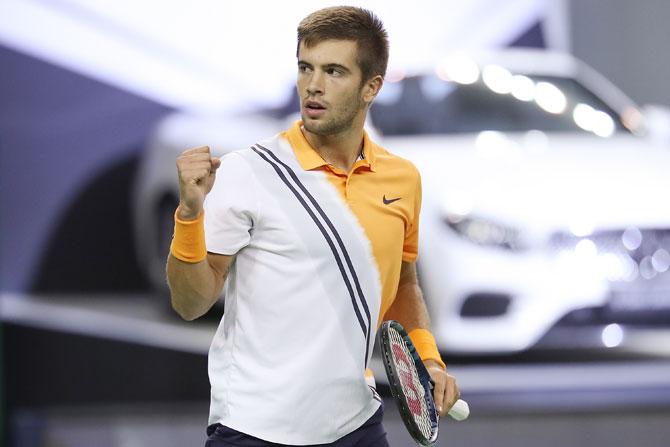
x=329, y=86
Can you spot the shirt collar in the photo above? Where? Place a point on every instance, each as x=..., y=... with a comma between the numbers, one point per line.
x=310, y=159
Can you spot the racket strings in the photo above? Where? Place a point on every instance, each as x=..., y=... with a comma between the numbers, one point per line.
x=418, y=407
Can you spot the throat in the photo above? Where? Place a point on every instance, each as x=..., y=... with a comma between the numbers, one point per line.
x=340, y=157
x=340, y=151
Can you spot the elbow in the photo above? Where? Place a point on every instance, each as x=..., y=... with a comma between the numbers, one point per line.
x=184, y=312
x=185, y=315
x=180, y=303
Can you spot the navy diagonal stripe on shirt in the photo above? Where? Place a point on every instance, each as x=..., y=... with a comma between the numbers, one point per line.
x=337, y=237
x=330, y=244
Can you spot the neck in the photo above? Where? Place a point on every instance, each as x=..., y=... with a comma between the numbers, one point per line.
x=340, y=149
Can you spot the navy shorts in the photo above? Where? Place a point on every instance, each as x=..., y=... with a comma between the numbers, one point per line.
x=370, y=434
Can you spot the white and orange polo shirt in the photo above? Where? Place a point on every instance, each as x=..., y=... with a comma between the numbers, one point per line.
x=318, y=258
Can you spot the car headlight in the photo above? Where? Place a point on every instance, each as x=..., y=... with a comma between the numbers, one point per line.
x=485, y=232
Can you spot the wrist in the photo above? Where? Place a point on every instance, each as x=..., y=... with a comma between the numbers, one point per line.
x=426, y=347
x=184, y=213
x=435, y=363
x=188, y=242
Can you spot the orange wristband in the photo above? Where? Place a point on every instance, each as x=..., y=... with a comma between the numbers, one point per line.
x=425, y=345
x=188, y=242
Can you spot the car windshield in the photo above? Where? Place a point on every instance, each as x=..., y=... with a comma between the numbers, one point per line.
x=430, y=105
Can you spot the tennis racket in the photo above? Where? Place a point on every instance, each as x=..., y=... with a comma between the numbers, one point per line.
x=411, y=385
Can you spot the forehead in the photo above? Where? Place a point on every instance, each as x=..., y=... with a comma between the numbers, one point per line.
x=331, y=51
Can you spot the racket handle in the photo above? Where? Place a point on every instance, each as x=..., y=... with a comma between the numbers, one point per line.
x=460, y=411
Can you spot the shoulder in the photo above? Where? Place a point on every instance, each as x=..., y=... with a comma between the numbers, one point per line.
x=387, y=160
x=236, y=160
x=252, y=154
x=236, y=167
x=235, y=184
x=248, y=156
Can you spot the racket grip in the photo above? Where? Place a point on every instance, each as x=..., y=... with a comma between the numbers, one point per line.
x=460, y=411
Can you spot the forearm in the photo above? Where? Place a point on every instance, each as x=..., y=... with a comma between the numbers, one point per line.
x=409, y=308
x=194, y=287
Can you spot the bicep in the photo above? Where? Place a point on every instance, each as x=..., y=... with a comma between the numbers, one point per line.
x=220, y=264
x=407, y=274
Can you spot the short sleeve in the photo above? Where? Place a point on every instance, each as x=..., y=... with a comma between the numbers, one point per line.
x=231, y=207
x=410, y=248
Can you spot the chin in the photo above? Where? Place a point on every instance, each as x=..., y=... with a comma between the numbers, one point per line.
x=315, y=127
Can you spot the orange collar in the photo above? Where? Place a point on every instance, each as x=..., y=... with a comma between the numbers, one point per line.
x=310, y=159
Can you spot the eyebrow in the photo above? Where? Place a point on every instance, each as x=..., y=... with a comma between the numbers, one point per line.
x=327, y=66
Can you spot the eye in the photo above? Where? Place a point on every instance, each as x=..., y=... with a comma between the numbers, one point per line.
x=334, y=72
x=303, y=68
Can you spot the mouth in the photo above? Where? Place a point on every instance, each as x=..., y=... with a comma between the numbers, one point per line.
x=314, y=109
x=314, y=105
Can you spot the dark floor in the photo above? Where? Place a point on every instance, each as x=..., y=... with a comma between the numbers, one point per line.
x=99, y=386
x=183, y=425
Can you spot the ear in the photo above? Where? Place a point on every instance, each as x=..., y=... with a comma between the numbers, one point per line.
x=371, y=88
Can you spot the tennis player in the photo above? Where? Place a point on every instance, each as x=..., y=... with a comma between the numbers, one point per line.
x=314, y=235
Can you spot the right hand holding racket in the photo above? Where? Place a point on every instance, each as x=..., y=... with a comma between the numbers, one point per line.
x=411, y=385
x=445, y=392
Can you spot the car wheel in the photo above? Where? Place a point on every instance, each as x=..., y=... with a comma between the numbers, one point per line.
x=163, y=229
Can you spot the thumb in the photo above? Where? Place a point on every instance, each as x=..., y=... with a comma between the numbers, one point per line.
x=216, y=163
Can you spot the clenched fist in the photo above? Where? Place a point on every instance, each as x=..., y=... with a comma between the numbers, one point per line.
x=197, y=171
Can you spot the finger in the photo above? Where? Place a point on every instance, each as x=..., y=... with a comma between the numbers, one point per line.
x=193, y=158
x=197, y=150
x=438, y=395
x=195, y=174
x=216, y=163
x=452, y=393
x=197, y=166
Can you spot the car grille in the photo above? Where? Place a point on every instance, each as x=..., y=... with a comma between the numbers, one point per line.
x=638, y=262
x=632, y=242
x=637, y=243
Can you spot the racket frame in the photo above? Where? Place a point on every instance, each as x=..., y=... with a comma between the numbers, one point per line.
x=396, y=387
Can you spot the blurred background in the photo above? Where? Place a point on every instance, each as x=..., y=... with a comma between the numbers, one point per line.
x=542, y=131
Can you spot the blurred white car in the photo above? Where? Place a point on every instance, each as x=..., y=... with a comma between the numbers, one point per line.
x=542, y=207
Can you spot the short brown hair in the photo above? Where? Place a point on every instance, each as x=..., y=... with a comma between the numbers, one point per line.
x=350, y=23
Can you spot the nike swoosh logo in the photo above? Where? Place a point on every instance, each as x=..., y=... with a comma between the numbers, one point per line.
x=388, y=201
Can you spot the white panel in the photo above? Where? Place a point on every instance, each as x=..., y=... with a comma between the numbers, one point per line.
x=222, y=55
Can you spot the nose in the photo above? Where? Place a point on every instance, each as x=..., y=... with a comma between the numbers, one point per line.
x=315, y=84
